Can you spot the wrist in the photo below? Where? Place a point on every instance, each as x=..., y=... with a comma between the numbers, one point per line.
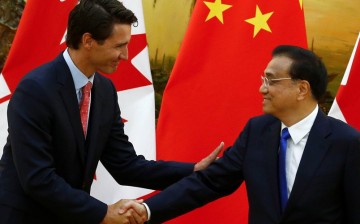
x=148, y=213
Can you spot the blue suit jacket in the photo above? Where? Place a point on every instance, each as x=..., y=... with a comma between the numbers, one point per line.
x=47, y=167
x=326, y=189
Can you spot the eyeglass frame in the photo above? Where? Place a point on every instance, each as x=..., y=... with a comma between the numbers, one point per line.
x=268, y=82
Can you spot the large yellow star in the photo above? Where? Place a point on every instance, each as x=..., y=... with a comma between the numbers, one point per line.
x=216, y=9
x=301, y=4
x=260, y=21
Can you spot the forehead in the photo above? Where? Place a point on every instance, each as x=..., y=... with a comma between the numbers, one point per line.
x=278, y=66
x=121, y=33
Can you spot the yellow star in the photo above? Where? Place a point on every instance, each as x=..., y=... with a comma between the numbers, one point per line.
x=216, y=9
x=260, y=21
x=301, y=4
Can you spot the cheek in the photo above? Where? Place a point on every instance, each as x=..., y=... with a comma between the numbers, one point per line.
x=278, y=97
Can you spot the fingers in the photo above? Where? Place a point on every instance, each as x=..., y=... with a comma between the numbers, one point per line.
x=217, y=151
x=137, y=209
x=204, y=163
x=134, y=217
x=126, y=204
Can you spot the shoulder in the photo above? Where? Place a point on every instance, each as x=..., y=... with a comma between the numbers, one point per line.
x=103, y=81
x=263, y=120
x=261, y=124
x=340, y=128
x=48, y=73
x=104, y=85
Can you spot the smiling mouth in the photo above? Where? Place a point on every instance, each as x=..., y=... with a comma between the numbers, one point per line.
x=115, y=64
x=265, y=100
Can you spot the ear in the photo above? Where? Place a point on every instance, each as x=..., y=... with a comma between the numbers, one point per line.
x=87, y=41
x=304, y=90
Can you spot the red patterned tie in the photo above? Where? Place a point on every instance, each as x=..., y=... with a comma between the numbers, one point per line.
x=84, y=106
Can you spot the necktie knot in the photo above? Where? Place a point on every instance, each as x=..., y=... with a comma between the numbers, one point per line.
x=285, y=134
x=86, y=89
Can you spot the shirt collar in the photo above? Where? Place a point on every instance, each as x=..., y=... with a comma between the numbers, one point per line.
x=299, y=130
x=79, y=78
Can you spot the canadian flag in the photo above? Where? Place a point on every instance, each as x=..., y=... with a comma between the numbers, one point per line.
x=347, y=102
x=41, y=37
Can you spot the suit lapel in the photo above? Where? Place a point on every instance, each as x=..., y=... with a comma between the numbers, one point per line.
x=314, y=152
x=69, y=98
x=271, y=140
x=93, y=129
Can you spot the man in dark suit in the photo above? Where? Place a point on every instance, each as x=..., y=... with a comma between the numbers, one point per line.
x=317, y=182
x=52, y=151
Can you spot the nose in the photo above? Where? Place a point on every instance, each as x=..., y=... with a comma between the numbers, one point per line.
x=263, y=89
x=123, y=55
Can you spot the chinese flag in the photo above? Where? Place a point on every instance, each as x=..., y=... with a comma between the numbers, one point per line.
x=347, y=102
x=213, y=89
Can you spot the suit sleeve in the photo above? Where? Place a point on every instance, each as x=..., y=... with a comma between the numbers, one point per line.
x=30, y=127
x=221, y=178
x=352, y=183
x=128, y=168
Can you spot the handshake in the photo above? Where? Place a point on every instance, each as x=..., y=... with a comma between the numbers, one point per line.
x=126, y=211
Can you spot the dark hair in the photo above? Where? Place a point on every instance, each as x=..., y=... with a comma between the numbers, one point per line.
x=306, y=66
x=96, y=17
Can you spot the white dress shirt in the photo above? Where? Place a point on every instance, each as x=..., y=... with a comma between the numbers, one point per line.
x=80, y=80
x=299, y=133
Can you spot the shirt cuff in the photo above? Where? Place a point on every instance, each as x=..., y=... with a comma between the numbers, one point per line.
x=147, y=210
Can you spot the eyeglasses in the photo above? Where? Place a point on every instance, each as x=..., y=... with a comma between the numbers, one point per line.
x=268, y=82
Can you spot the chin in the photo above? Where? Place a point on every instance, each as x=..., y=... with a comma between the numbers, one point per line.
x=108, y=71
x=266, y=110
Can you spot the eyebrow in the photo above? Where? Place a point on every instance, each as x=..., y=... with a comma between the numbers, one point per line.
x=269, y=74
x=121, y=44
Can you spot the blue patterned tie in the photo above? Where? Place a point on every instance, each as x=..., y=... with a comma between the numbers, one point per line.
x=282, y=168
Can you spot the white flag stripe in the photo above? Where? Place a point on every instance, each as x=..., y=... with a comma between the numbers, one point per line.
x=141, y=63
x=335, y=111
x=139, y=109
x=137, y=106
x=3, y=125
x=63, y=39
x=4, y=89
x=348, y=68
x=108, y=191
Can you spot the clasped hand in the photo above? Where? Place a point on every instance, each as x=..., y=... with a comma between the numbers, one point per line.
x=134, y=212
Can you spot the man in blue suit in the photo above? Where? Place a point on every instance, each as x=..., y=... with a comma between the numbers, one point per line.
x=321, y=165
x=51, y=154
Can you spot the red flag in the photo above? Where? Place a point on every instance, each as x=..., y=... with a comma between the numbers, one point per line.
x=347, y=102
x=39, y=38
x=213, y=89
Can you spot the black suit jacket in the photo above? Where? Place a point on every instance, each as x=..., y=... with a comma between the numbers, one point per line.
x=326, y=188
x=47, y=166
